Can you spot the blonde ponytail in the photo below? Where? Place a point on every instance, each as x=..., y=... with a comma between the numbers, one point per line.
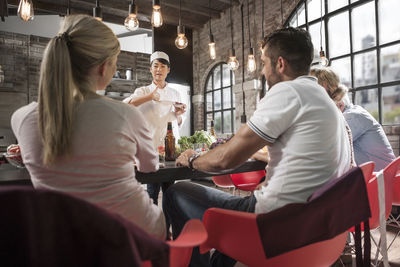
x=83, y=43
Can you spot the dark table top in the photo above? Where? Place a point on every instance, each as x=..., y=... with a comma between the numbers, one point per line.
x=172, y=172
x=10, y=175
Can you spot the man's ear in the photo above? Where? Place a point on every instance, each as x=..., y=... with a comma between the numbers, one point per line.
x=281, y=65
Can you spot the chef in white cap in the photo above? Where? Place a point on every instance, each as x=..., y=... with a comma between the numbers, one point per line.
x=160, y=104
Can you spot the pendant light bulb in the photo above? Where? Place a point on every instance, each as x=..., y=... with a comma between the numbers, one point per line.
x=181, y=41
x=211, y=47
x=324, y=61
x=25, y=10
x=97, y=13
x=233, y=63
x=156, y=17
x=251, y=62
x=131, y=21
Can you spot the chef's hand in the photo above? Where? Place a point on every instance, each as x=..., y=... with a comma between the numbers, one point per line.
x=179, y=110
x=183, y=159
x=154, y=95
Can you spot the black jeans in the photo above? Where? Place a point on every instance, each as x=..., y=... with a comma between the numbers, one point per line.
x=184, y=201
x=153, y=190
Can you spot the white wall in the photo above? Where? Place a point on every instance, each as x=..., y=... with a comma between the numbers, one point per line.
x=48, y=25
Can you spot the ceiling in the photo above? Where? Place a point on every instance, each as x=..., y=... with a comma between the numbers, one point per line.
x=195, y=13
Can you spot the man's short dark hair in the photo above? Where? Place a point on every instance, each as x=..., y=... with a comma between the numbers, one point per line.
x=163, y=61
x=294, y=45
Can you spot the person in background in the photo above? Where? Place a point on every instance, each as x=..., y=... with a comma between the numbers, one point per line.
x=369, y=139
x=81, y=143
x=303, y=129
x=156, y=102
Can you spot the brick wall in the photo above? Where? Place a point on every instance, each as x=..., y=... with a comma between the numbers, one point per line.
x=21, y=56
x=202, y=64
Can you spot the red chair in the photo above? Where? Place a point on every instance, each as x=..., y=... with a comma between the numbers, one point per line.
x=235, y=234
x=372, y=187
x=247, y=181
x=396, y=201
x=180, y=250
x=224, y=181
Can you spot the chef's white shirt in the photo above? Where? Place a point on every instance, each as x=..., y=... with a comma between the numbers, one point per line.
x=159, y=113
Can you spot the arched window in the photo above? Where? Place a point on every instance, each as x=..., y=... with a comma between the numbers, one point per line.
x=219, y=104
x=362, y=42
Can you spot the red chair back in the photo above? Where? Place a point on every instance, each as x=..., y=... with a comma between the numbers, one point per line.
x=396, y=189
x=372, y=187
x=223, y=181
x=247, y=181
x=236, y=233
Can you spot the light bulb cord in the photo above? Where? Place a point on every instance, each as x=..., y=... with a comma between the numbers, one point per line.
x=262, y=19
x=248, y=21
x=230, y=12
x=244, y=104
x=180, y=6
x=320, y=27
x=209, y=14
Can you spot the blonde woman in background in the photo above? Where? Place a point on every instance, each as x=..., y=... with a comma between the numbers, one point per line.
x=369, y=139
x=83, y=144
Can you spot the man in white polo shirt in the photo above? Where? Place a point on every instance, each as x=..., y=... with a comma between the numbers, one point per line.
x=304, y=131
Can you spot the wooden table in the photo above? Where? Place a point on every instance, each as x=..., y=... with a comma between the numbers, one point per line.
x=10, y=175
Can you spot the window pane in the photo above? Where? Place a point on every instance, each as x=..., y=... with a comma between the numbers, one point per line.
x=363, y=26
x=314, y=9
x=339, y=36
x=227, y=98
x=301, y=15
x=227, y=122
x=226, y=79
x=217, y=100
x=217, y=122
x=209, y=117
x=391, y=104
x=365, y=69
x=336, y=4
x=314, y=31
x=209, y=101
x=389, y=22
x=209, y=83
x=217, y=77
x=390, y=63
x=343, y=68
x=368, y=99
x=293, y=21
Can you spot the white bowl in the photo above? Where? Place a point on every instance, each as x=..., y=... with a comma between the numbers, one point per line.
x=114, y=93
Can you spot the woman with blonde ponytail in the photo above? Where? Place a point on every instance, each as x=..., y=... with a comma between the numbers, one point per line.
x=80, y=143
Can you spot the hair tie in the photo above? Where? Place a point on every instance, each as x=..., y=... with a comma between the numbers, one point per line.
x=65, y=36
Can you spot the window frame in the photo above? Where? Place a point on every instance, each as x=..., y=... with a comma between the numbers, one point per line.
x=220, y=89
x=376, y=48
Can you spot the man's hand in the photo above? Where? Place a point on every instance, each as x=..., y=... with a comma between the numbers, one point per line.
x=183, y=159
